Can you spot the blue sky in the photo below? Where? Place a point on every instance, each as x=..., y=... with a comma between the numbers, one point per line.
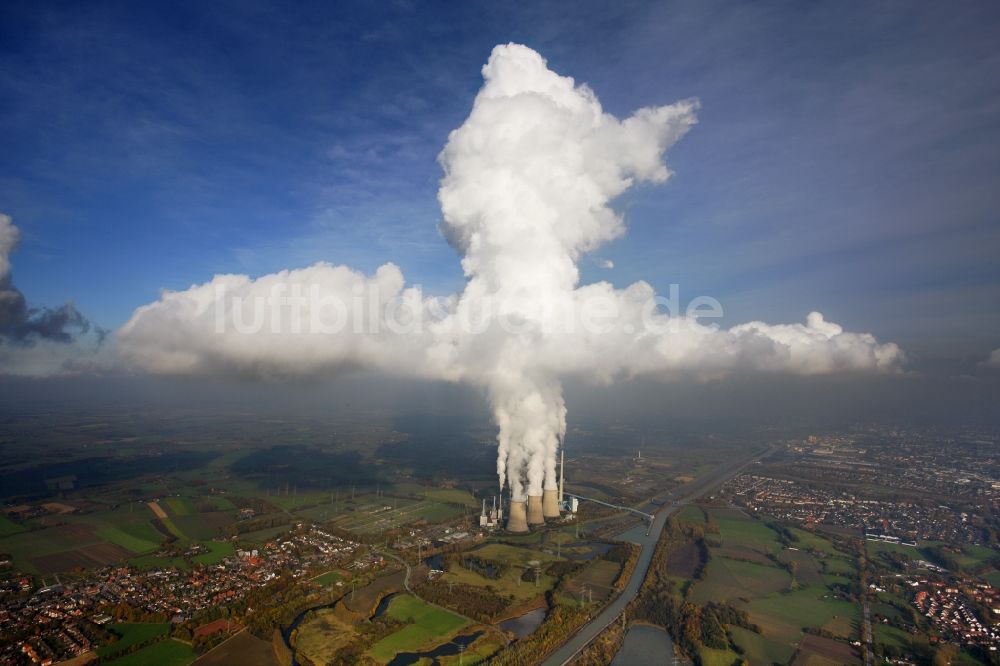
x=846, y=159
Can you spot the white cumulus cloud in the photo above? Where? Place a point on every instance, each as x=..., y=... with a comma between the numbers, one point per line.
x=528, y=183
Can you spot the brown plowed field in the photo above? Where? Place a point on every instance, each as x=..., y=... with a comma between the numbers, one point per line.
x=88, y=557
x=684, y=561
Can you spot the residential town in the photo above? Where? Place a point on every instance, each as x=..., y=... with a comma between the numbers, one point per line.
x=952, y=611
x=63, y=620
x=895, y=521
x=920, y=508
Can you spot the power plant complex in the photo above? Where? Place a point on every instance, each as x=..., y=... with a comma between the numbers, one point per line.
x=522, y=514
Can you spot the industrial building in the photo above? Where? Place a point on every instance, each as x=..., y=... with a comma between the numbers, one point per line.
x=534, y=510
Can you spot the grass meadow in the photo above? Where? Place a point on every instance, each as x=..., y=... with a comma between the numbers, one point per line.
x=132, y=633
x=746, y=569
x=426, y=626
x=8, y=527
x=167, y=652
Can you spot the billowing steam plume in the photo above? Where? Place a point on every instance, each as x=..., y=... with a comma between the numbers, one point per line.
x=528, y=181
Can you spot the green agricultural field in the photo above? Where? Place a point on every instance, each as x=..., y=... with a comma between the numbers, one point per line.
x=452, y=496
x=712, y=657
x=807, y=539
x=264, y=535
x=761, y=650
x=165, y=653
x=153, y=562
x=329, y=578
x=876, y=547
x=128, y=526
x=886, y=635
x=530, y=539
x=204, y=526
x=807, y=572
x=294, y=501
x=438, y=513
x=221, y=503
x=844, y=626
x=728, y=580
x=8, y=527
x=512, y=554
x=691, y=515
x=426, y=625
x=217, y=550
x=179, y=506
x=406, y=608
x=478, y=652
x=172, y=527
x=131, y=518
x=140, y=529
x=993, y=578
x=893, y=599
x=127, y=540
x=973, y=557
x=782, y=616
x=738, y=530
x=965, y=658
x=562, y=536
x=24, y=546
x=839, y=566
x=836, y=580
x=887, y=610
x=132, y=633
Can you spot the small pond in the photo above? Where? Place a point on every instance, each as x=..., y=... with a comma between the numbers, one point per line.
x=451, y=648
x=383, y=605
x=645, y=646
x=524, y=625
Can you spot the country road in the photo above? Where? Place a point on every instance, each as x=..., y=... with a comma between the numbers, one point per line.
x=670, y=503
x=869, y=659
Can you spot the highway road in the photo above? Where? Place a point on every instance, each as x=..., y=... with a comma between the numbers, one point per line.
x=663, y=507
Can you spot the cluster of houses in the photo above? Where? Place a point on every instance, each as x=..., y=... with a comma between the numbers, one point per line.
x=55, y=623
x=950, y=611
x=882, y=520
x=58, y=614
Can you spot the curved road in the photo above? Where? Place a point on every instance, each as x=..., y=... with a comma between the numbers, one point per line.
x=663, y=507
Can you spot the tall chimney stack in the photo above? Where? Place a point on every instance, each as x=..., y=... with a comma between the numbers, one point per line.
x=535, y=515
x=517, y=521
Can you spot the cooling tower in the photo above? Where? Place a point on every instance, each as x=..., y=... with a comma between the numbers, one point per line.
x=517, y=521
x=535, y=516
x=550, y=503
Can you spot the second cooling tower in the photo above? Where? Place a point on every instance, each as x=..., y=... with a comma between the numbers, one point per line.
x=517, y=520
x=535, y=514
